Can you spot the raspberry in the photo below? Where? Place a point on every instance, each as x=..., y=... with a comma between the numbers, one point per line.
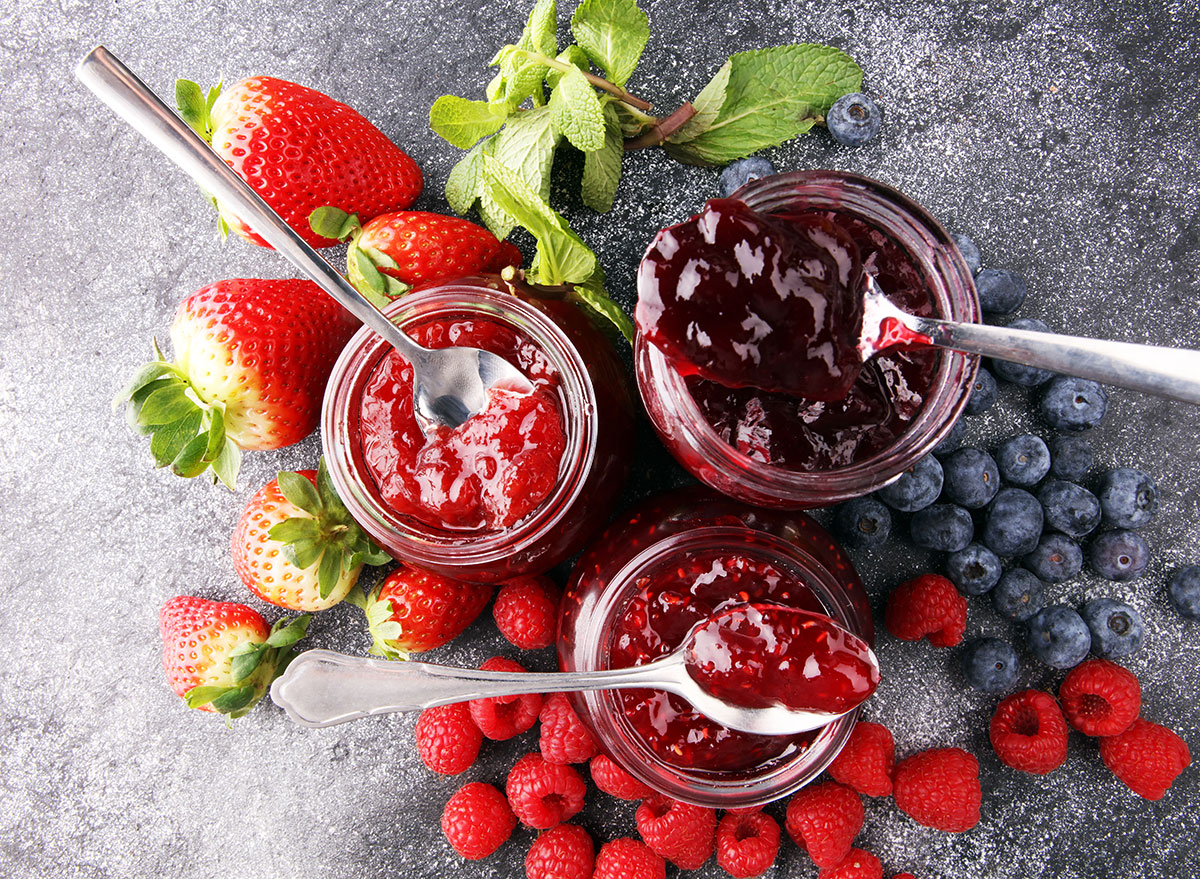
x=866, y=761
x=543, y=794
x=447, y=739
x=627, y=858
x=526, y=612
x=477, y=820
x=1028, y=732
x=856, y=865
x=615, y=781
x=564, y=738
x=1100, y=698
x=1147, y=757
x=680, y=832
x=562, y=852
x=927, y=606
x=747, y=843
x=823, y=819
x=503, y=717
x=939, y=788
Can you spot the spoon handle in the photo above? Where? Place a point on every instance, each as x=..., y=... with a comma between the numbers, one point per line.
x=118, y=87
x=324, y=688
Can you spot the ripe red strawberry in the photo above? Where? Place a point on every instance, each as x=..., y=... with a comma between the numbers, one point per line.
x=251, y=361
x=1147, y=757
x=414, y=610
x=526, y=612
x=747, y=843
x=866, y=761
x=448, y=739
x=477, y=820
x=682, y=833
x=823, y=819
x=543, y=794
x=927, y=607
x=220, y=656
x=562, y=852
x=627, y=858
x=502, y=717
x=939, y=788
x=1028, y=732
x=856, y=865
x=296, y=545
x=564, y=738
x=615, y=781
x=1100, y=698
x=299, y=149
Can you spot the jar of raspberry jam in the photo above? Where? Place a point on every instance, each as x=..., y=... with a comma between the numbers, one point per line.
x=779, y=450
x=635, y=594
x=518, y=488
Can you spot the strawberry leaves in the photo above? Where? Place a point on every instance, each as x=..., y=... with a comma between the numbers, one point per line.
x=385, y=632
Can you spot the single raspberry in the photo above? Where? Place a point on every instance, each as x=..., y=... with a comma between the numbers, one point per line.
x=543, y=794
x=823, y=819
x=680, y=832
x=939, y=788
x=1100, y=698
x=927, y=606
x=1147, y=757
x=627, y=858
x=477, y=820
x=866, y=761
x=448, y=739
x=526, y=612
x=562, y=852
x=856, y=865
x=1028, y=732
x=747, y=843
x=615, y=781
x=503, y=717
x=564, y=738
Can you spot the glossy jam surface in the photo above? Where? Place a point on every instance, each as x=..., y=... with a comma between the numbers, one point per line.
x=758, y=655
x=486, y=474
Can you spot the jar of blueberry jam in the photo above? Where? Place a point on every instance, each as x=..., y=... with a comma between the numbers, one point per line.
x=517, y=488
x=748, y=317
x=636, y=593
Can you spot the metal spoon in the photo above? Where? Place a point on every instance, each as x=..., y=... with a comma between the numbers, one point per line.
x=449, y=385
x=1173, y=373
x=322, y=688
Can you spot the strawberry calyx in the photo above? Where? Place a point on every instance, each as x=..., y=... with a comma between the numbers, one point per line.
x=365, y=266
x=328, y=536
x=195, y=108
x=252, y=668
x=385, y=631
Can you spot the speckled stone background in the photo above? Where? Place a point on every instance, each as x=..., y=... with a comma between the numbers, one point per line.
x=1062, y=135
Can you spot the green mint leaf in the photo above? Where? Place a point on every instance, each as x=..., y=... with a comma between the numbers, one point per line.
x=193, y=107
x=707, y=105
x=335, y=223
x=613, y=33
x=602, y=167
x=521, y=78
x=465, y=180
x=570, y=55
x=464, y=123
x=526, y=145
x=577, y=112
x=592, y=296
x=772, y=95
x=541, y=31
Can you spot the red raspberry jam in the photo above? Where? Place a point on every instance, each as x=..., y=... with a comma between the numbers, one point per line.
x=486, y=474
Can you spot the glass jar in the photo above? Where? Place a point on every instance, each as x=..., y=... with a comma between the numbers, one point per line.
x=605, y=604
x=701, y=449
x=597, y=410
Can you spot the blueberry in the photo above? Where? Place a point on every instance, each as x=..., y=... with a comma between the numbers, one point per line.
x=1019, y=373
x=1023, y=460
x=1000, y=291
x=1117, y=629
x=1071, y=457
x=1018, y=595
x=1056, y=559
x=863, y=523
x=915, y=488
x=952, y=440
x=1128, y=498
x=991, y=665
x=983, y=393
x=738, y=174
x=972, y=477
x=1183, y=588
x=1119, y=555
x=854, y=119
x=969, y=250
x=1012, y=522
x=1059, y=637
x=1070, y=403
x=1069, y=508
x=943, y=527
x=974, y=569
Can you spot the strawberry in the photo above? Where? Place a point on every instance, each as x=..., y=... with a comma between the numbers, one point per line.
x=415, y=610
x=394, y=252
x=220, y=656
x=299, y=150
x=251, y=361
x=296, y=546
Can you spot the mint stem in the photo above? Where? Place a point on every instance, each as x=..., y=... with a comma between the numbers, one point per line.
x=597, y=81
x=662, y=129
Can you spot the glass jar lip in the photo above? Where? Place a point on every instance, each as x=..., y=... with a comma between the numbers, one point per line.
x=423, y=544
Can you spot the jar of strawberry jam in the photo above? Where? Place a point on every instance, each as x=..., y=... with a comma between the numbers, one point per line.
x=784, y=449
x=637, y=592
x=517, y=488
